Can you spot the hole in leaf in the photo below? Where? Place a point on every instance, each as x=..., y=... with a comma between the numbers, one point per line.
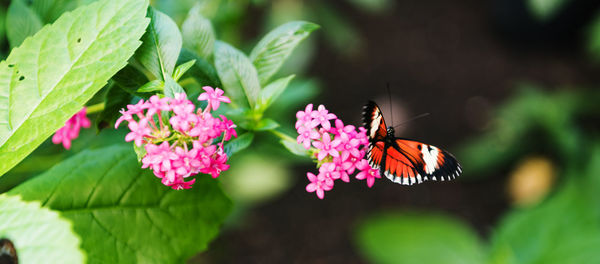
x=8, y=253
x=11, y=65
x=78, y=40
x=21, y=78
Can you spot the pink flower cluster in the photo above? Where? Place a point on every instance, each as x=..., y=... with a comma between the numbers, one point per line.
x=180, y=141
x=339, y=149
x=71, y=129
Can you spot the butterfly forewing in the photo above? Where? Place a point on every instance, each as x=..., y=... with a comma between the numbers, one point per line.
x=405, y=161
x=374, y=123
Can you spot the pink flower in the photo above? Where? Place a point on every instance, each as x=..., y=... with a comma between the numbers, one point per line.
x=180, y=142
x=186, y=162
x=156, y=104
x=340, y=129
x=322, y=117
x=138, y=131
x=305, y=117
x=327, y=147
x=214, y=97
x=179, y=184
x=349, y=146
x=367, y=172
x=339, y=150
x=131, y=111
x=306, y=135
x=328, y=170
x=217, y=165
x=71, y=129
x=319, y=183
x=158, y=158
x=228, y=127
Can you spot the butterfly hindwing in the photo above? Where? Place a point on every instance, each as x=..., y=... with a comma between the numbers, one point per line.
x=408, y=162
x=405, y=161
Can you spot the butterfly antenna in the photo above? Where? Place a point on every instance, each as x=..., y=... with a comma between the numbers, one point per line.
x=412, y=119
x=390, y=100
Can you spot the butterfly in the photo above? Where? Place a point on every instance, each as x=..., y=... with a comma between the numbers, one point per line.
x=401, y=160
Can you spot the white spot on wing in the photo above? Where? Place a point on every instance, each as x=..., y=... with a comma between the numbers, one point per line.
x=375, y=123
x=430, y=157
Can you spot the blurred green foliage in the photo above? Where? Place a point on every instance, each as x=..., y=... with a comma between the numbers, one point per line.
x=545, y=9
x=534, y=122
x=417, y=238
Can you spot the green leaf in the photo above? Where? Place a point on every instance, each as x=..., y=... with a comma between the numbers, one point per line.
x=38, y=234
x=545, y=9
x=52, y=74
x=114, y=100
x=417, y=238
x=123, y=213
x=198, y=33
x=294, y=148
x=21, y=22
x=172, y=87
x=152, y=86
x=237, y=74
x=50, y=10
x=202, y=70
x=593, y=42
x=373, y=6
x=161, y=45
x=563, y=229
x=140, y=152
x=272, y=51
x=266, y=124
x=130, y=79
x=181, y=69
x=240, y=143
x=272, y=91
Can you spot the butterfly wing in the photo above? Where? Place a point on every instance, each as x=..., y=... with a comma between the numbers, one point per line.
x=408, y=162
x=405, y=161
x=374, y=123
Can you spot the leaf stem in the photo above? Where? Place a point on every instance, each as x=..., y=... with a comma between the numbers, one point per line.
x=283, y=136
x=95, y=108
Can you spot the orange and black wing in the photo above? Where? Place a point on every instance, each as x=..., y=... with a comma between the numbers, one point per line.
x=405, y=161
x=373, y=122
x=408, y=162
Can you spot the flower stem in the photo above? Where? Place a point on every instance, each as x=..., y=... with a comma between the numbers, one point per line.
x=94, y=108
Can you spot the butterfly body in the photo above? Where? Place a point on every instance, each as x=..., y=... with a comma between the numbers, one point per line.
x=401, y=160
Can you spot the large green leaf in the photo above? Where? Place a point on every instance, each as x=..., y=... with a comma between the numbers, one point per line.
x=123, y=213
x=238, y=144
x=52, y=74
x=50, y=10
x=172, y=87
x=39, y=234
x=21, y=22
x=204, y=72
x=115, y=99
x=161, y=45
x=198, y=33
x=272, y=91
x=272, y=51
x=237, y=74
x=564, y=229
x=418, y=238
